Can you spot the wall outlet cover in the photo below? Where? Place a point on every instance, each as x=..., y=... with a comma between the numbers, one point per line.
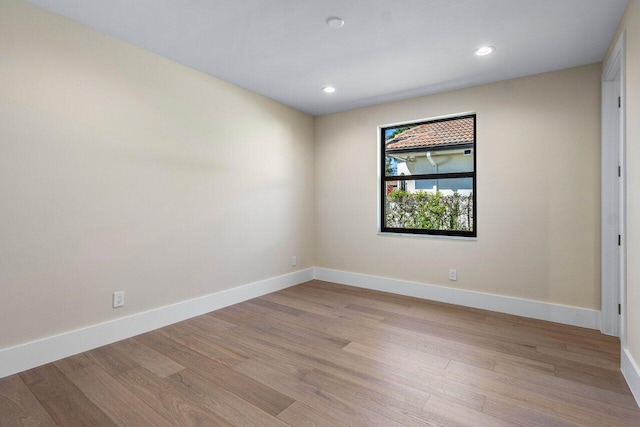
x=118, y=299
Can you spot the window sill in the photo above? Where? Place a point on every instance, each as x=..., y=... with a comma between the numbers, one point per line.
x=427, y=236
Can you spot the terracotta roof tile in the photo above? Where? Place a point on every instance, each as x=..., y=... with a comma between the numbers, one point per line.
x=446, y=132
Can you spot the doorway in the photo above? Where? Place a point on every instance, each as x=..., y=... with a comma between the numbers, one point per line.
x=613, y=195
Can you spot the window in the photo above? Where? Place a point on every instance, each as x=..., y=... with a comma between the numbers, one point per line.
x=428, y=177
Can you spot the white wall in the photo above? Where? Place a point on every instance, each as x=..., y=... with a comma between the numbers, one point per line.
x=122, y=170
x=538, y=144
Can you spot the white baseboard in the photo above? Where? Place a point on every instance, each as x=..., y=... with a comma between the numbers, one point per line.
x=29, y=355
x=26, y=356
x=520, y=307
x=631, y=373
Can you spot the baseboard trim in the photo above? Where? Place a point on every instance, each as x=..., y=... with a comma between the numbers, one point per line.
x=520, y=307
x=631, y=373
x=36, y=353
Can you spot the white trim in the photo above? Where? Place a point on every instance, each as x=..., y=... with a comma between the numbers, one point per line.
x=621, y=44
x=609, y=212
x=410, y=122
x=427, y=236
x=29, y=355
x=26, y=356
x=613, y=194
x=610, y=68
x=520, y=307
x=631, y=373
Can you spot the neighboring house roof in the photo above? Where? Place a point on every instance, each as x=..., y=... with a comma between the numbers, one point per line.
x=434, y=134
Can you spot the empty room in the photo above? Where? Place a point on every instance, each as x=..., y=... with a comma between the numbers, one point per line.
x=319, y=213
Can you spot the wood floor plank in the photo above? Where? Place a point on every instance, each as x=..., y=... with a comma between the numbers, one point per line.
x=63, y=400
x=344, y=291
x=111, y=359
x=148, y=358
x=19, y=407
x=189, y=338
x=517, y=415
x=418, y=308
x=122, y=406
x=73, y=363
x=45, y=381
x=314, y=337
x=513, y=346
x=240, y=314
x=327, y=305
x=437, y=383
x=262, y=396
x=220, y=401
x=313, y=397
x=308, y=305
x=181, y=354
x=335, y=361
x=476, y=319
x=543, y=327
x=167, y=401
x=321, y=354
x=263, y=302
x=210, y=321
x=595, y=376
x=577, y=394
x=412, y=359
x=376, y=401
x=299, y=414
x=384, y=334
x=595, y=352
x=557, y=403
x=461, y=352
x=299, y=365
x=463, y=325
x=450, y=413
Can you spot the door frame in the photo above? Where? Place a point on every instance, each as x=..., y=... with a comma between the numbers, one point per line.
x=613, y=194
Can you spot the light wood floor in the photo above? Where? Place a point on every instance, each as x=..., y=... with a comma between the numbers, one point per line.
x=330, y=355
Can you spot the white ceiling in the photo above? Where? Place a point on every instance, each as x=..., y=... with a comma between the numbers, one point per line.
x=386, y=51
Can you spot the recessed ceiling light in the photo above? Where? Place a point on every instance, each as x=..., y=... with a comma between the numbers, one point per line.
x=335, y=22
x=484, y=50
x=328, y=89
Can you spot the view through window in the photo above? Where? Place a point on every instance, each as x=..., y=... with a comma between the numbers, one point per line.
x=428, y=171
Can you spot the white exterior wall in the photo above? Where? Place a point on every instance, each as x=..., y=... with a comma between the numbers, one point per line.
x=447, y=162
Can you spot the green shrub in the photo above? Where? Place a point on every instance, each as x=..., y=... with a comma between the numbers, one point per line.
x=433, y=211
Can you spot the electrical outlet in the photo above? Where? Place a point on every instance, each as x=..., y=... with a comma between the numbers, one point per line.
x=294, y=261
x=118, y=299
x=453, y=274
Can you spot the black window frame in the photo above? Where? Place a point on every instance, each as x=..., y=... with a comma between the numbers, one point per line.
x=384, y=178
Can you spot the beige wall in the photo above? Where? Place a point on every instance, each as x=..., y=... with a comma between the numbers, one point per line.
x=538, y=154
x=631, y=22
x=121, y=170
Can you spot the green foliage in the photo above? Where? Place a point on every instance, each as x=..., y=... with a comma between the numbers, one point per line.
x=431, y=211
x=398, y=131
x=388, y=167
